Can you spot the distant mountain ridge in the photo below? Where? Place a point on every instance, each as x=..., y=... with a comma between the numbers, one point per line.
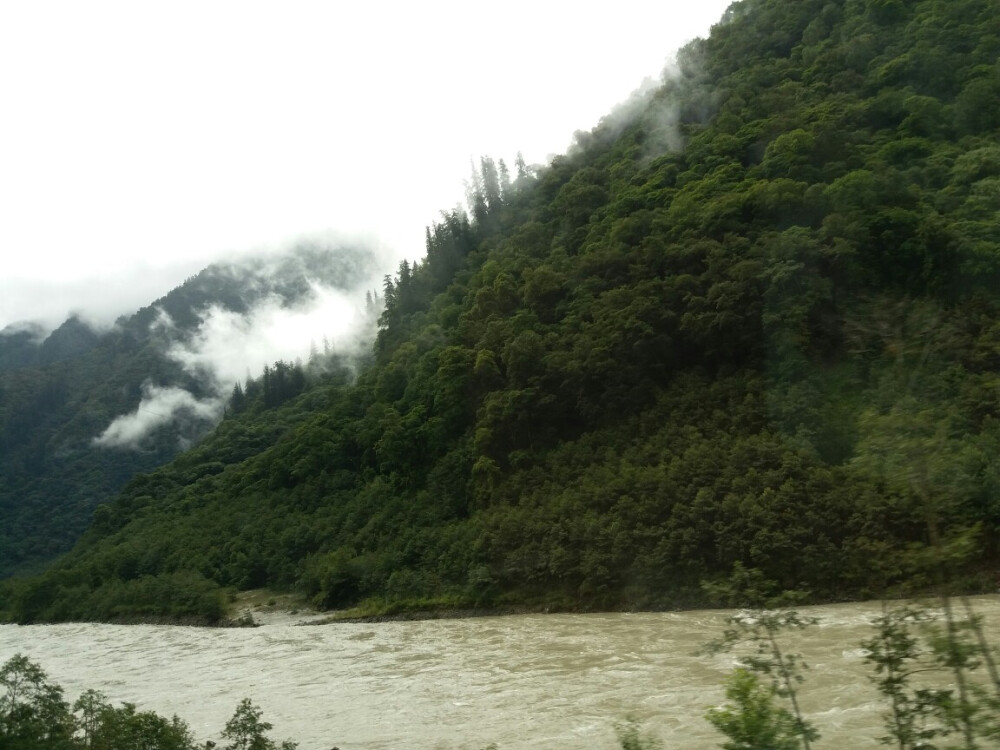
x=58, y=392
x=28, y=345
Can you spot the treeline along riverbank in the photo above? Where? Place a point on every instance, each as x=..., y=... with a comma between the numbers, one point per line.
x=748, y=320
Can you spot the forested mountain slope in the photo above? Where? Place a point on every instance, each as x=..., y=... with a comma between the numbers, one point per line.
x=58, y=393
x=750, y=318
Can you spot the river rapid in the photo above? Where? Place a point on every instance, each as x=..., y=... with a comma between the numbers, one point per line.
x=553, y=681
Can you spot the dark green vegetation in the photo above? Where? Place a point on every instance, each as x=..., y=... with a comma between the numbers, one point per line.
x=34, y=716
x=58, y=393
x=776, y=346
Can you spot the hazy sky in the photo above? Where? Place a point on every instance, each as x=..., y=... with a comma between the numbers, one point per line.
x=140, y=141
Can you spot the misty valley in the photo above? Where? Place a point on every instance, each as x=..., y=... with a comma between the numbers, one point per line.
x=737, y=348
x=86, y=410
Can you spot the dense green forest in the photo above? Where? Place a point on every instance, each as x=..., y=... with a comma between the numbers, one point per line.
x=750, y=318
x=58, y=392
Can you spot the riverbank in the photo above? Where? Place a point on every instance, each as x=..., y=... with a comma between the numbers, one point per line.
x=266, y=607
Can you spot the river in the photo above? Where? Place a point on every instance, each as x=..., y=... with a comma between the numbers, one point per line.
x=553, y=681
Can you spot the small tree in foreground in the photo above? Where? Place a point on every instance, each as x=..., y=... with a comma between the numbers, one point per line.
x=127, y=727
x=753, y=720
x=33, y=714
x=911, y=651
x=759, y=628
x=247, y=731
x=630, y=738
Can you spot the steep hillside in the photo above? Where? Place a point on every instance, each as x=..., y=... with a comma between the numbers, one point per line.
x=750, y=318
x=60, y=393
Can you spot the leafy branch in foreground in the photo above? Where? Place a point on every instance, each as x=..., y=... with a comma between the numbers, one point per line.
x=936, y=670
x=910, y=645
x=753, y=721
x=631, y=738
x=759, y=627
x=896, y=654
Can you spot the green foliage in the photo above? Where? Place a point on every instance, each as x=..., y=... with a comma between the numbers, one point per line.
x=754, y=717
x=34, y=716
x=126, y=727
x=957, y=648
x=630, y=737
x=933, y=666
x=246, y=731
x=896, y=653
x=753, y=720
x=749, y=320
x=59, y=393
x=88, y=710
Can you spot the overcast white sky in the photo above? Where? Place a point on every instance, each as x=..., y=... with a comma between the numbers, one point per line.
x=140, y=141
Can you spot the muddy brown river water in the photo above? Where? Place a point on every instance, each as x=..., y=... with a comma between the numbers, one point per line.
x=552, y=681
